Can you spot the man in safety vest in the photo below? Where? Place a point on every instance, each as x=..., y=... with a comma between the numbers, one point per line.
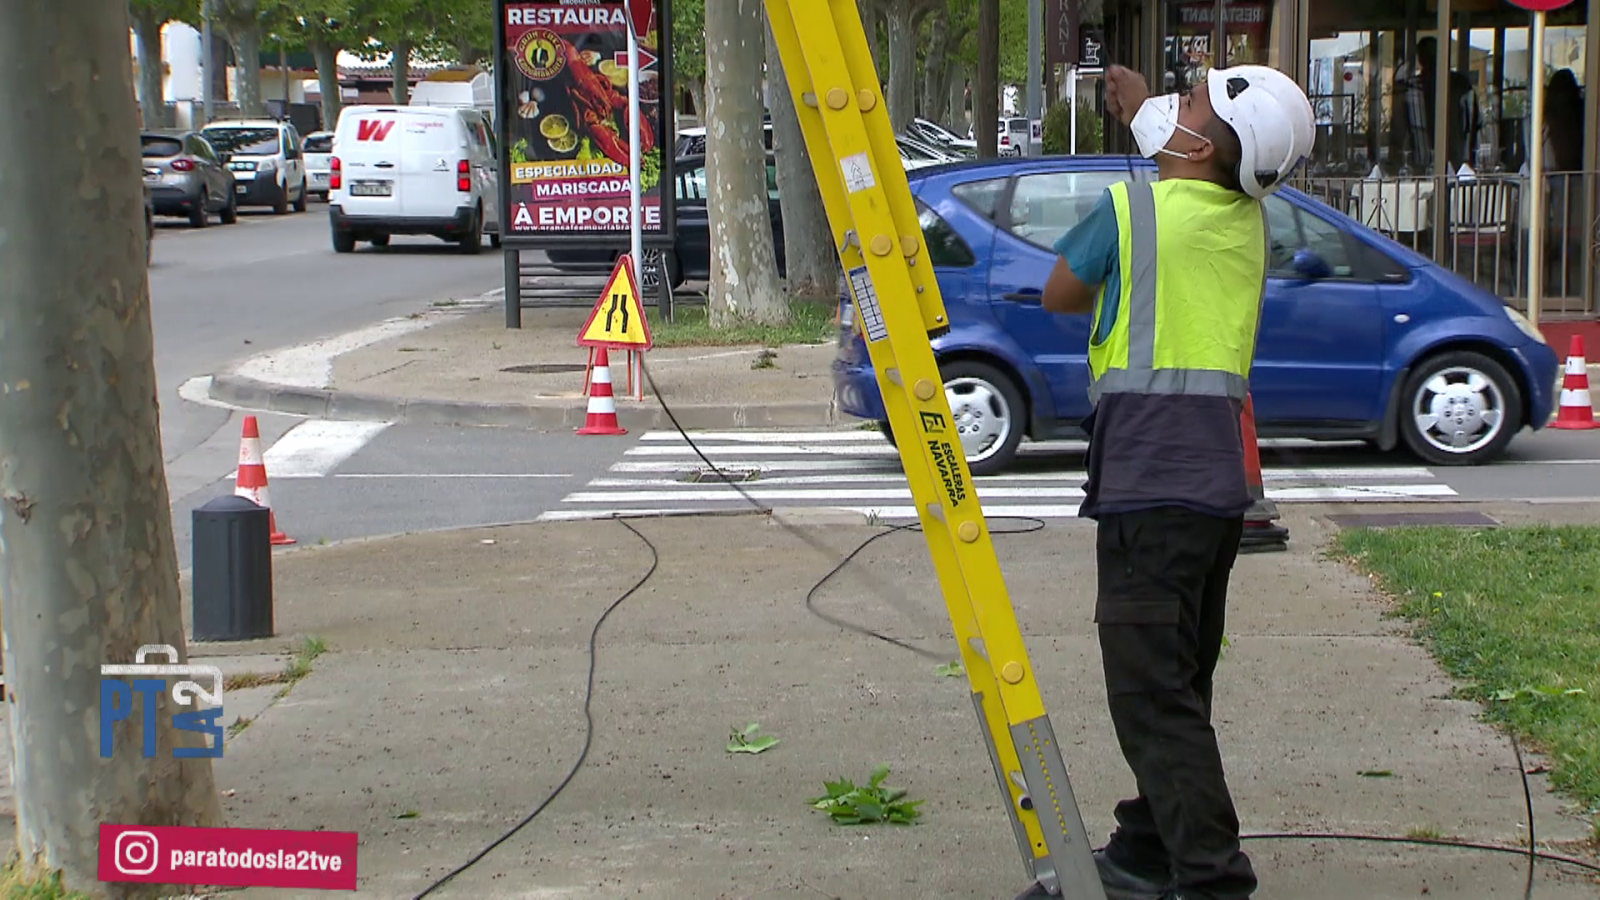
x=1174, y=273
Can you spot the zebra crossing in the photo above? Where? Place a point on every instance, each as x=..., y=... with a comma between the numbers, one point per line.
x=859, y=471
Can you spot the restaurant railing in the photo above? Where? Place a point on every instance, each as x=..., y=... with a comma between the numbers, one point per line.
x=1477, y=226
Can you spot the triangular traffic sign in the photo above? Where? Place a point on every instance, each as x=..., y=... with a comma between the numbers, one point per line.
x=618, y=321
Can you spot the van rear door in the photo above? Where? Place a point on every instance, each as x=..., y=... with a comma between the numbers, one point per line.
x=434, y=147
x=369, y=147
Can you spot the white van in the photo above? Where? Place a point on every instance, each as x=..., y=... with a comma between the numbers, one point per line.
x=413, y=170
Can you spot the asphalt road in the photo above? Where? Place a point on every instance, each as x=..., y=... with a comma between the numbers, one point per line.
x=334, y=481
x=228, y=291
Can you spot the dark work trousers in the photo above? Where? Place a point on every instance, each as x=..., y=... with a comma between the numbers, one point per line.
x=1163, y=585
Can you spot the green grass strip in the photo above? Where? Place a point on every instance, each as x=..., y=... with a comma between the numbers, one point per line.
x=809, y=323
x=1514, y=614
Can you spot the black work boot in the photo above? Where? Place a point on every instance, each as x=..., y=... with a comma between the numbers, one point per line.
x=1122, y=884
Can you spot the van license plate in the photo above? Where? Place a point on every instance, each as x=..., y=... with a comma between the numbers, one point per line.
x=371, y=189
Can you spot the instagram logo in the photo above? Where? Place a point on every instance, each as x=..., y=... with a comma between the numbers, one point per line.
x=135, y=853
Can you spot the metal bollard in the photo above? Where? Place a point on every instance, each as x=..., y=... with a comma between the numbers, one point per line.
x=232, y=559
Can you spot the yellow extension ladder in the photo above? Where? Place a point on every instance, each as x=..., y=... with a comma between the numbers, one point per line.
x=875, y=228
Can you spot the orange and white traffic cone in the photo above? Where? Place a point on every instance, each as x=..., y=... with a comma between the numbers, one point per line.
x=1577, y=408
x=1261, y=534
x=602, y=415
x=251, y=482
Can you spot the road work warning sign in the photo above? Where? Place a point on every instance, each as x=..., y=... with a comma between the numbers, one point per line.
x=618, y=321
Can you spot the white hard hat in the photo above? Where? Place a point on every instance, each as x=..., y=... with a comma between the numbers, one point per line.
x=1273, y=119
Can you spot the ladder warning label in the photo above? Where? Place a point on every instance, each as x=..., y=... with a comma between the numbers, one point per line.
x=857, y=171
x=867, y=304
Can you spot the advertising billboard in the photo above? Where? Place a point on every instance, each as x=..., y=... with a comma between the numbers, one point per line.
x=563, y=98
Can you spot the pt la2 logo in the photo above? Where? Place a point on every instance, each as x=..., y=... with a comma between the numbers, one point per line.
x=116, y=701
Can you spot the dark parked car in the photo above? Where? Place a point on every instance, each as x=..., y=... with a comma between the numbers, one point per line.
x=187, y=177
x=690, y=256
x=149, y=225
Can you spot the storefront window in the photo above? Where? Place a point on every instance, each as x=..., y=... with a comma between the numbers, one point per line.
x=1371, y=77
x=1191, y=37
x=1249, y=32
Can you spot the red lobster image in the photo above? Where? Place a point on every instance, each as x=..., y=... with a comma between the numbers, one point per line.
x=596, y=101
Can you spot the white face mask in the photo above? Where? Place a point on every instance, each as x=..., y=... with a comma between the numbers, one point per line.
x=1155, y=124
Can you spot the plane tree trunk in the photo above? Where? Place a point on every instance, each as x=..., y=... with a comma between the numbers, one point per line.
x=810, y=262
x=326, y=55
x=88, y=569
x=744, y=268
x=152, y=92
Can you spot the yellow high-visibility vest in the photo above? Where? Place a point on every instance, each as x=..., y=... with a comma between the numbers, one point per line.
x=1193, y=263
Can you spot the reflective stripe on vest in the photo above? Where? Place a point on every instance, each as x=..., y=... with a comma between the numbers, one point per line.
x=1139, y=308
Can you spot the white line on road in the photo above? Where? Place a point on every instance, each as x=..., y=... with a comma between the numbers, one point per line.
x=1360, y=492
x=785, y=465
x=989, y=512
x=568, y=515
x=313, y=449
x=431, y=475
x=715, y=493
x=874, y=436
x=766, y=437
x=708, y=492
x=889, y=469
x=784, y=450
x=1351, y=473
x=882, y=512
x=805, y=446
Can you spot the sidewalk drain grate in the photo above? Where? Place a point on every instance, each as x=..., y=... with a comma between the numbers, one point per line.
x=707, y=476
x=545, y=368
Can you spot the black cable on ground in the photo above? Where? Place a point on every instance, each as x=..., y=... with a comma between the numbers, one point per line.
x=895, y=529
x=1037, y=525
x=588, y=718
x=1527, y=796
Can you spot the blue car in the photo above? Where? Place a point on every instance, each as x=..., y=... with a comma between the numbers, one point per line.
x=1360, y=338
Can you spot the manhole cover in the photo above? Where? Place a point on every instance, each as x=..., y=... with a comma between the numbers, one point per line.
x=545, y=368
x=1395, y=520
x=707, y=476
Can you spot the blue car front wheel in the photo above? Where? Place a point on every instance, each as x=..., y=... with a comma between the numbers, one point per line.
x=1460, y=408
x=989, y=414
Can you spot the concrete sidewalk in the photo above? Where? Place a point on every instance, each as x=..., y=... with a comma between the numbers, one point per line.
x=464, y=367
x=454, y=681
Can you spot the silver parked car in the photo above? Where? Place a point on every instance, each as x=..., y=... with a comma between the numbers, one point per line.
x=319, y=154
x=187, y=177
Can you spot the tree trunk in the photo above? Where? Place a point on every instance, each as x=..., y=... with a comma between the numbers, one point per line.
x=871, y=13
x=247, y=61
x=697, y=95
x=986, y=87
x=744, y=269
x=901, y=96
x=327, y=57
x=152, y=92
x=218, y=70
x=401, y=65
x=956, y=91
x=89, y=570
x=936, y=68
x=810, y=263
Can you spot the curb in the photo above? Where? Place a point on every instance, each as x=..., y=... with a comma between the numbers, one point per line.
x=249, y=393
